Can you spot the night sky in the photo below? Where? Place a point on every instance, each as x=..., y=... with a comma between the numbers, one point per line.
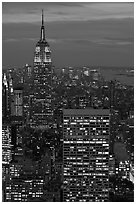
x=79, y=34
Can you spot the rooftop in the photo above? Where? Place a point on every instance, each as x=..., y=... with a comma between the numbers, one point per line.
x=86, y=111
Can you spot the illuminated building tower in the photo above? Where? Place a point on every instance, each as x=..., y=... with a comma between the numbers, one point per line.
x=27, y=85
x=42, y=112
x=6, y=156
x=63, y=71
x=86, y=155
x=16, y=117
x=5, y=98
x=10, y=83
x=27, y=70
x=6, y=144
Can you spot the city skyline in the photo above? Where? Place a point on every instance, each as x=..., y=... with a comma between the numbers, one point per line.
x=102, y=32
x=68, y=132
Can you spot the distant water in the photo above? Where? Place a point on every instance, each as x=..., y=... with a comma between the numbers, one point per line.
x=125, y=76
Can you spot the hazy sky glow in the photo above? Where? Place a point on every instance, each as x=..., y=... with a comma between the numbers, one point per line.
x=78, y=33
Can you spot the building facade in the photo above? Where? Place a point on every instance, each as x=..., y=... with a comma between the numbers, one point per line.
x=86, y=154
x=5, y=98
x=6, y=144
x=17, y=102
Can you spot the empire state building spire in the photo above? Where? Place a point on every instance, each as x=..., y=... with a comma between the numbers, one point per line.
x=42, y=38
x=42, y=50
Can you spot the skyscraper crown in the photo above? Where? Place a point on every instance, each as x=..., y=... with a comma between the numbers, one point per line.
x=42, y=50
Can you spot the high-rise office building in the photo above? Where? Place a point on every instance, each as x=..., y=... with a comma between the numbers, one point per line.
x=16, y=118
x=112, y=94
x=42, y=111
x=6, y=144
x=6, y=156
x=5, y=98
x=17, y=103
x=86, y=154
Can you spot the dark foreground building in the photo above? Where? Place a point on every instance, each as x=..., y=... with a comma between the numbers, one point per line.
x=86, y=154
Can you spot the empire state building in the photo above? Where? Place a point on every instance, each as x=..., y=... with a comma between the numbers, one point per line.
x=42, y=111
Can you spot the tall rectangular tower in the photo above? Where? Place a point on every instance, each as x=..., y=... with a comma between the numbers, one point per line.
x=17, y=102
x=5, y=98
x=86, y=154
x=6, y=143
x=42, y=111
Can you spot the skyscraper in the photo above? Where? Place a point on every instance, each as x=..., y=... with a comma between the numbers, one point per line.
x=6, y=155
x=6, y=144
x=42, y=111
x=86, y=154
x=5, y=98
x=17, y=102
